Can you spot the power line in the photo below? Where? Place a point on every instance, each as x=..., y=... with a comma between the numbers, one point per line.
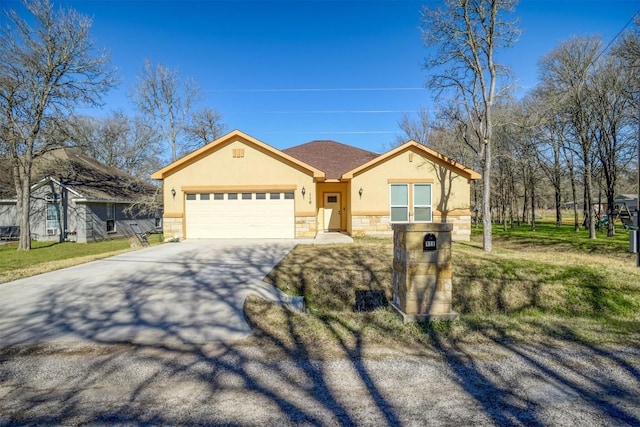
x=327, y=132
x=346, y=89
x=324, y=112
x=616, y=36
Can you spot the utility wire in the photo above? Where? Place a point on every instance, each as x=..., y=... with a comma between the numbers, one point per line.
x=345, y=89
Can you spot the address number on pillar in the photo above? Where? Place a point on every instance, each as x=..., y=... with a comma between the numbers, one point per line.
x=430, y=242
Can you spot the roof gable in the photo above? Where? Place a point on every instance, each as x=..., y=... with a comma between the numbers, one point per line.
x=334, y=158
x=226, y=139
x=429, y=153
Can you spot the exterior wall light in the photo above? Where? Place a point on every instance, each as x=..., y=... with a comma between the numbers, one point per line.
x=304, y=191
x=173, y=192
x=360, y=192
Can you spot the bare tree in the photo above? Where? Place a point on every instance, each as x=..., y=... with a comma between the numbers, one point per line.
x=206, y=126
x=466, y=34
x=130, y=145
x=549, y=149
x=612, y=125
x=628, y=50
x=48, y=65
x=416, y=129
x=565, y=80
x=166, y=101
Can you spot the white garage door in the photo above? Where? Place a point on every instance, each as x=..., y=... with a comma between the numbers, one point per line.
x=240, y=215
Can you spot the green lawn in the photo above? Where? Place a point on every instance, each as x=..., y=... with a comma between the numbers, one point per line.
x=47, y=256
x=548, y=285
x=561, y=238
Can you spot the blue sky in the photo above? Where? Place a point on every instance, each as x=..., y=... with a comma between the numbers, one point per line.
x=288, y=72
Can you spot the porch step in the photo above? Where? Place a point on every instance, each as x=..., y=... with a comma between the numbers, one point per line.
x=332, y=237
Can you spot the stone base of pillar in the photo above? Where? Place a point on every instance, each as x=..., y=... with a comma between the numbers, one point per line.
x=408, y=318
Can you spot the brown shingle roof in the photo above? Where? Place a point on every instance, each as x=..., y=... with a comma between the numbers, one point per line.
x=331, y=157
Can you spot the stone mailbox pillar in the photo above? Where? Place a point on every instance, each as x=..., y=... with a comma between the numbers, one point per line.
x=422, y=272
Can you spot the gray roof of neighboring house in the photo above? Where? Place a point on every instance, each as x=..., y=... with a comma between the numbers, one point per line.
x=85, y=176
x=331, y=157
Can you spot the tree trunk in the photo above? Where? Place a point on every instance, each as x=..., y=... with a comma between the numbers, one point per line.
x=611, y=226
x=558, y=210
x=574, y=196
x=588, y=199
x=487, y=241
x=525, y=205
x=533, y=207
x=557, y=170
x=23, y=204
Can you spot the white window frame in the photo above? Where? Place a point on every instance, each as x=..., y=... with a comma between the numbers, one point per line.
x=423, y=206
x=52, y=223
x=391, y=205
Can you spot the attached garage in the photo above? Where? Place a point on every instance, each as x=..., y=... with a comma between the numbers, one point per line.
x=250, y=214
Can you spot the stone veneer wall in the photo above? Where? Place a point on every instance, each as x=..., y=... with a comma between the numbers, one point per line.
x=379, y=225
x=461, y=226
x=306, y=226
x=371, y=225
x=172, y=227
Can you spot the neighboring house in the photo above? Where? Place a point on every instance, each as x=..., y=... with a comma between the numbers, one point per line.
x=77, y=198
x=238, y=186
x=630, y=200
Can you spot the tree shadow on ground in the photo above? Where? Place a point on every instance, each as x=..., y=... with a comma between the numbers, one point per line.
x=172, y=371
x=552, y=379
x=145, y=353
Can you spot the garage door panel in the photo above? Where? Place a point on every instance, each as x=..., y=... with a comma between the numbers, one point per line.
x=241, y=218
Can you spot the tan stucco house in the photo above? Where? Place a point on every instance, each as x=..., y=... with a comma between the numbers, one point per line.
x=238, y=186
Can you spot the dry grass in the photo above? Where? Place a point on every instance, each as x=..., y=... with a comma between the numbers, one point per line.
x=522, y=291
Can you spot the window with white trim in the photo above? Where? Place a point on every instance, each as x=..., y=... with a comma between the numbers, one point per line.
x=421, y=202
x=399, y=197
x=53, y=218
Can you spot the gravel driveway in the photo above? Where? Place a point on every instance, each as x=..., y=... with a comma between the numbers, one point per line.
x=240, y=385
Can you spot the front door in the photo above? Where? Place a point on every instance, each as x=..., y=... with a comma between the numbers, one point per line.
x=332, y=211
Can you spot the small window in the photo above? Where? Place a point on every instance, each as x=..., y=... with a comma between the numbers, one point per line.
x=204, y=196
x=232, y=196
x=288, y=196
x=274, y=196
x=261, y=196
x=158, y=222
x=111, y=218
x=246, y=196
x=218, y=196
x=191, y=196
x=332, y=199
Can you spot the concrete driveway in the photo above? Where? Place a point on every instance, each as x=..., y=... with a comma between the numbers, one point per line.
x=189, y=292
